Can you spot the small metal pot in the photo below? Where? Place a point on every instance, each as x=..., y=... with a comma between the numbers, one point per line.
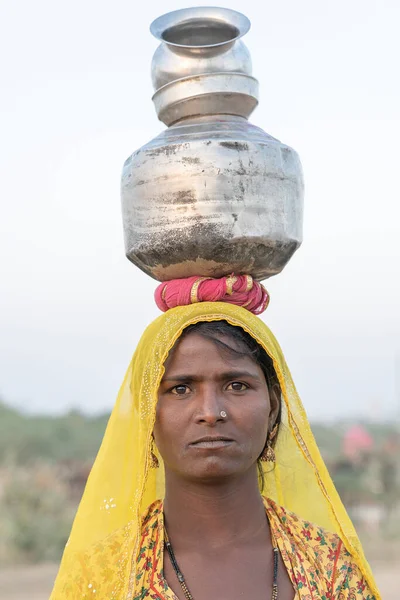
x=212, y=194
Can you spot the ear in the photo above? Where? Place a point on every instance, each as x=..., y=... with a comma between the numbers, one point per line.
x=275, y=399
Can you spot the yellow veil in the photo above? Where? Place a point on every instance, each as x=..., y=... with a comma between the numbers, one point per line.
x=100, y=557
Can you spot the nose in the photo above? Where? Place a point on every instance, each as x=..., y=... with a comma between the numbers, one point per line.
x=209, y=406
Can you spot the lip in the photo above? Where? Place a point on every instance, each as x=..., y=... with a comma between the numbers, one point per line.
x=212, y=441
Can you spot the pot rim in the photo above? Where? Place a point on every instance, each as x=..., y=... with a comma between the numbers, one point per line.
x=183, y=16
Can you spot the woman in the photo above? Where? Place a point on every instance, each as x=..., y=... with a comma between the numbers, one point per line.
x=208, y=483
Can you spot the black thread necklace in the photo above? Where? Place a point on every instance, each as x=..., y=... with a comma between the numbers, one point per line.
x=182, y=581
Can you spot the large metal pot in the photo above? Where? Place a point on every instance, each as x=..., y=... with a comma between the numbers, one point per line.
x=212, y=194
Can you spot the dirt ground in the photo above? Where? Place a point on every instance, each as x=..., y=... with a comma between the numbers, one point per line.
x=34, y=583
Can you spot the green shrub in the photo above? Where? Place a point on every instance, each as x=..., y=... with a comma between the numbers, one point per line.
x=35, y=517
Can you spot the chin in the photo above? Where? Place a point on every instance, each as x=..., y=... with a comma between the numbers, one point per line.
x=212, y=470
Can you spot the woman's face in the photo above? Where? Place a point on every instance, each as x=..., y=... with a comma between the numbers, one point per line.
x=200, y=381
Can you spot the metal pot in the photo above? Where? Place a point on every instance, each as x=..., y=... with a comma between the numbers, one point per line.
x=212, y=194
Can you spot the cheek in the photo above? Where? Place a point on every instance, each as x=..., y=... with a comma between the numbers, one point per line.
x=260, y=428
x=166, y=425
x=159, y=425
x=258, y=415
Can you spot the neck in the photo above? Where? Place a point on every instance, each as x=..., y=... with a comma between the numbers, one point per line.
x=215, y=515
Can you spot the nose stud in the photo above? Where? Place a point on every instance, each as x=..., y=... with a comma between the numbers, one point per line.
x=223, y=414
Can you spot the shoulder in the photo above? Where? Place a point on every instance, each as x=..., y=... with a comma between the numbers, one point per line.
x=301, y=533
x=318, y=554
x=348, y=582
x=101, y=569
x=149, y=558
x=152, y=523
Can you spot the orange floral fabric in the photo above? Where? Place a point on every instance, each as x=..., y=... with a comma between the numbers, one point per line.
x=318, y=564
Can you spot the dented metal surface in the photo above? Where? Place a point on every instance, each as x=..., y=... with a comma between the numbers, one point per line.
x=212, y=194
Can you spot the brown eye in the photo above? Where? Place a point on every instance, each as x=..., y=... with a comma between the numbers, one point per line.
x=180, y=390
x=237, y=386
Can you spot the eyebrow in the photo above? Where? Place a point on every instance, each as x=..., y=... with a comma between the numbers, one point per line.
x=222, y=376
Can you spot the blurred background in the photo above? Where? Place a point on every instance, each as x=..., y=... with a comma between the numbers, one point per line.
x=75, y=102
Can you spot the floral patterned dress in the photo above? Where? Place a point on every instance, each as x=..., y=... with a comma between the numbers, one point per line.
x=319, y=566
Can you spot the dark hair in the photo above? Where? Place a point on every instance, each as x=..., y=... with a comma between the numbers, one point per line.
x=245, y=345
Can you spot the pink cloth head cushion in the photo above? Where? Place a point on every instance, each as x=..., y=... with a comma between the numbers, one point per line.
x=241, y=290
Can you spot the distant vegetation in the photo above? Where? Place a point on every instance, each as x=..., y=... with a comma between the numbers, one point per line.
x=25, y=439
x=44, y=462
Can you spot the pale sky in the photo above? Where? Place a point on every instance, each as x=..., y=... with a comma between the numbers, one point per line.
x=75, y=102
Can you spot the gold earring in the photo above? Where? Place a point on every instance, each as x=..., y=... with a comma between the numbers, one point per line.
x=268, y=454
x=154, y=464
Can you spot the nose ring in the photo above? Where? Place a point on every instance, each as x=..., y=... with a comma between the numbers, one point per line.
x=223, y=414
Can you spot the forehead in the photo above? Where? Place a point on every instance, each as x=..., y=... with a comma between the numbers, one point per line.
x=201, y=352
